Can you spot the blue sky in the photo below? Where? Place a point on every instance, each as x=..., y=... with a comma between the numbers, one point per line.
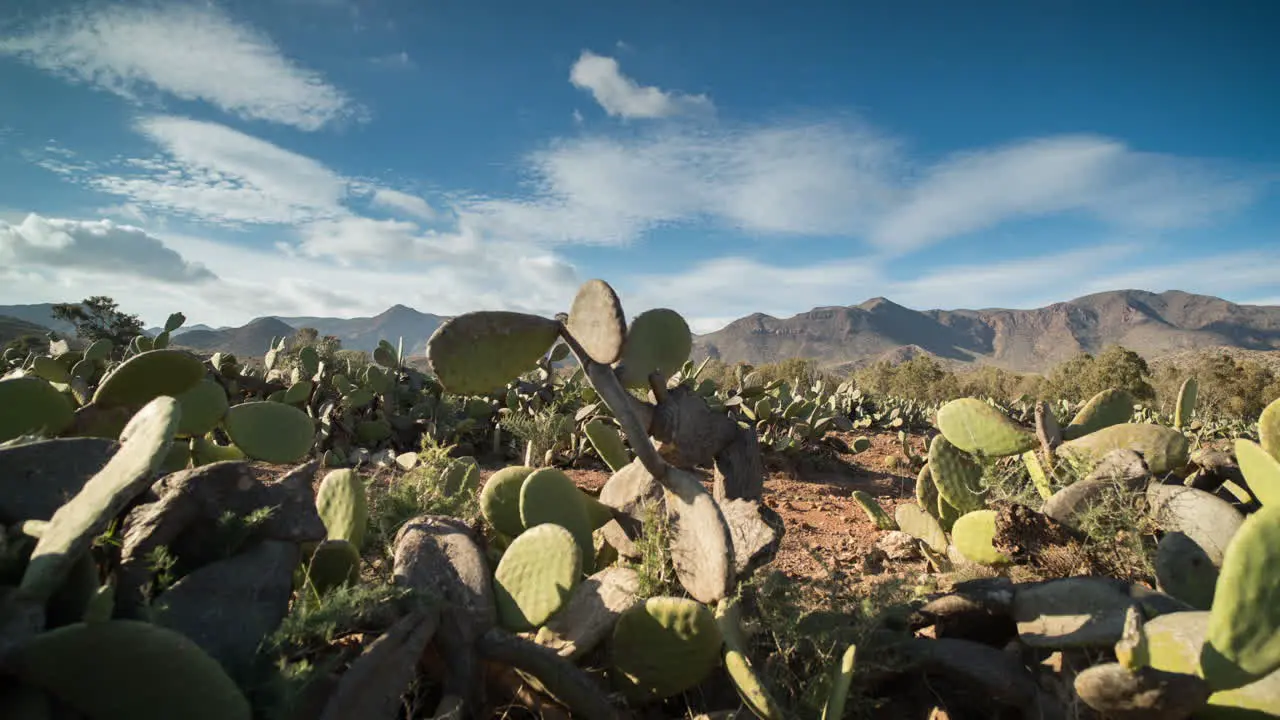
x=233, y=159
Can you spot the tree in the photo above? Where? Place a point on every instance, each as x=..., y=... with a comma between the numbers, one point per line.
x=97, y=318
x=1118, y=367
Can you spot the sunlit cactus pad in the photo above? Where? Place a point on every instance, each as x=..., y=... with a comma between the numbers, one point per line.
x=663, y=647
x=479, y=352
x=536, y=576
x=270, y=431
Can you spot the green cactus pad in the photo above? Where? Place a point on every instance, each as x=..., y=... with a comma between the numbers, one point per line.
x=973, y=534
x=1175, y=642
x=1261, y=470
x=50, y=369
x=947, y=513
x=608, y=443
x=926, y=491
x=476, y=353
x=1243, y=640
x=203, y=407
x=99, y=351
x=922, y=526
x=663, y=647
x=459, y=475
x=1269, y=429
x=126, y=670
x=862, y=444
x=205, y=451
x=839, y=693
x=298, y=392
x=144, y=443
x=334, y=563
x=957, y=476
x=1107, y=408
x=597, y=323
x=149, y=375
x=1164, y=449
x=975, y=427
x=1035, y=470
x=658, y=340
x=536, y=576
x=270, y=432
x=342, y=505
x=500, y=499
x=372, y=432
x=1186, y=403
x=31, y=405
x=550, y=496
x=874, y=512
x=737, y=661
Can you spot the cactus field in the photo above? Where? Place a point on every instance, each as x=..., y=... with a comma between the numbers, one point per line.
x=561, y=517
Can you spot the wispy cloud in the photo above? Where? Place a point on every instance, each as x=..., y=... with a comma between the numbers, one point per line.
x=191, y=51
x=394, y=61
x=620, y=96
x=404, y=202
x=94, y=246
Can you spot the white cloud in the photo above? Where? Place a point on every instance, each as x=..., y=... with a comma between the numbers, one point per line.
x=100, y=247
x=396, y=61
x=620, y=96
x=219, y=175
x=191, y=51
x=404, y=202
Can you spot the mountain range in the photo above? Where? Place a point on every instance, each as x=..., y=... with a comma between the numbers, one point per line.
x=1152, y=324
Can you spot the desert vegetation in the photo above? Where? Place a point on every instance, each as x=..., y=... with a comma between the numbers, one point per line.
x=570, y=516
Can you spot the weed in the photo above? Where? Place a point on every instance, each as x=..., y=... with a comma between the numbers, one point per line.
x=657, y=574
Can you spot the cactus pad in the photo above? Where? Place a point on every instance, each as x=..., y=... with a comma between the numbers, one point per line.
x=973, y=534
x=975, y=427
x=1162, y=448
x=1242, y=644
x=149, y=375
x=1107, y=408
x=1186, y=403
x=737, y=661
x=663, y=647
x=31, y=405
x=1175, y=641
x=500, y=499
x=596, y=321
x=475, y=353
x=839, y=693
x=112, y=671
x=1269, y=429
x=608, y=444
x=536, y=576
x=333, y=564
x=874, y=512
x=922, y=526
x=957, y=476
x=1035, y=470
x=202, y=408
x=658, y=340
x=549, y=496
x=270, y=432
x=1261, y=470
x=861, y=444
x=926, y=491
x=342, y=505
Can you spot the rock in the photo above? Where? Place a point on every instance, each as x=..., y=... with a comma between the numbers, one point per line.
x=37, y=478
x=1070, y=502
x=591, y=612
x=229, y=606
x=1146, y=694
x=993, y=672
x=964, y=617
x=873, y=562
x=691, y=432
x=756, y=531
x=1122, y=466
x=440, y=556
x=1071, y=612
x=898, y=545
x=739, y=470
x=383, y=458
x=630, y=491
x=185, y=519
x=1208, y=521
x=372, y=687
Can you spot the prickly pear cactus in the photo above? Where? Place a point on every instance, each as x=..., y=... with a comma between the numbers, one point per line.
x=334, y=563
x=973, y=534
x=500, y=499
x=608, y=444
x=549, y=496
x=203, y=407
x=1164, y=449
x=875, y=513
x=922, y=526
x=1186, y=403
x=1107, y=408
x=926, y=491
x=1243, y=640
x=957, y=476
x=1261, y=470
x=127, y=669
x=659, y=341
x=1269, y=429
x=149, y=375
x=834, y=707
x=975, y=427
x=663, y=647
x=32, y=406
x=737, y=660
x=342, y=505
x=1039, y=478
x=536, y=576
x=270, y=431
x=596, y=321
x=476, y=353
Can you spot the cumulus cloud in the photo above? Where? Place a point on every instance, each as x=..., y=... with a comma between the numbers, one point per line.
x=403, y=202
x=188, y=50
x=620, y=96
x=97, y=247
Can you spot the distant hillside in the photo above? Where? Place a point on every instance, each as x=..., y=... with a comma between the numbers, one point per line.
x=251, y=340
x=363, y=333
x=40, y=314
x=12, y=328
x=1023, y=340
x=154, y=331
